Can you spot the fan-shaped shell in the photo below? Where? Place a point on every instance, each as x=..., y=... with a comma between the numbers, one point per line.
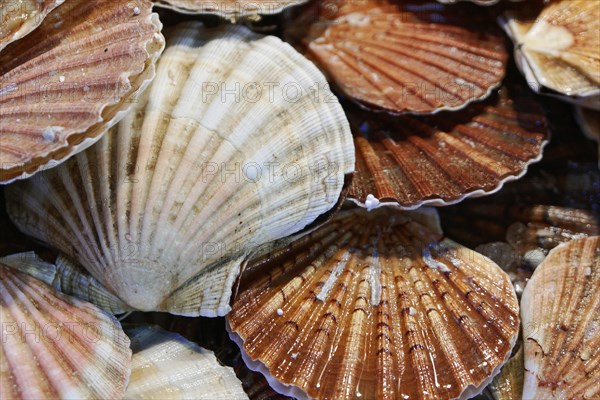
x=560, y=50
x=445, y=158
x=66, y=277
x=168, y=205
x=375, y=305
x=408, y=57
x=55, y=346
x=230, y=9
x=167, y=366
x=18, y=18
x=508, y=384
x=560, y=309
x=71, y=78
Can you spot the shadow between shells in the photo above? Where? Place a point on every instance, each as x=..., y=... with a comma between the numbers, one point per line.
x=231, y=199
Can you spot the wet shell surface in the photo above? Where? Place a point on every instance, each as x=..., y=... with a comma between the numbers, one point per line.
x=63, y=84
x=18, y=18
x=415, y=57
x=165, y=209
x=55, y=346
x=66, y=277
x=560, y=309
x=375, y=305
x=560, y=50
x=443, y=159
x=230, y=9
x=167, y=366
x=508, y=384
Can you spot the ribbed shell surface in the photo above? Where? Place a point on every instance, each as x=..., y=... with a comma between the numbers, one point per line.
x=55, y=346
x=18, y=18
x=406, y=57
x=167, y=366
x=231, y=9
x=377, y=306
x=560, y=309
x=70, y=79
x=445, y=158
x=168, y=205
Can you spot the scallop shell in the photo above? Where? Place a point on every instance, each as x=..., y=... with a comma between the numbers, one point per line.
x=18, y=18
x=560, y=50
x=230, y=9
x=443, y=159
x=589, y=120
x=55, y=346
x=508, y=384
x=409, y=57
x=560, y=309
x=167, y=366
x=145, y=212
x=254, y=383
x=71, y=78
x=375, y=305
x=65, y=277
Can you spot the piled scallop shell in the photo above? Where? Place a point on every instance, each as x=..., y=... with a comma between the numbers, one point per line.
x=443, y=159
x=405, y=57
x=70, y=79
x=559, y=51
x=165, y=209
x=167, y=366
x=375, y=305
x=560, y=309
x=55, y=346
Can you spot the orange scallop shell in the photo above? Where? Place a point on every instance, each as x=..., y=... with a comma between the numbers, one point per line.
x=18, y=18
x=70, y=79
x=375, y=305
x=445, y=158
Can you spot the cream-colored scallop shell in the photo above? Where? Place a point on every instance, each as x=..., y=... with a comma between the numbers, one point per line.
x=560, y=308
x=560, y=50
x=230, y=9
x=376, y=306
x=165, y=209
x=18, y=18
x=66, y=277
x=70, y=79
x=56, y=346
x=167, y=366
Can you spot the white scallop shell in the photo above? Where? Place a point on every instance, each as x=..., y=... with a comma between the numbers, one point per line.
x=230, y=9
x=167, y=206
x=167, y=366
x=56, y=346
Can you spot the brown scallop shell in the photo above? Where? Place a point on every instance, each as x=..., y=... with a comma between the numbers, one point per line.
x=55, y=346
x=405, y=57
x=230, y=9
x=64, y=84
x=560, y=309
x=560, y=49
x=442, y=159
x=375, y=305
x=18, y=18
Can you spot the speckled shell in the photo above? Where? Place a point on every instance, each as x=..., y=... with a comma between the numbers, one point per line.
x=560, y=309
x=560, y=50
x=375, y=305
x=165, y=209
x=66, y=277
x=70, y=79
x=167, y=366
x=405, y=57
x=590, y=124
x=18, y=18
x=230, y=9
x=443, y=159
x=55, y=346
